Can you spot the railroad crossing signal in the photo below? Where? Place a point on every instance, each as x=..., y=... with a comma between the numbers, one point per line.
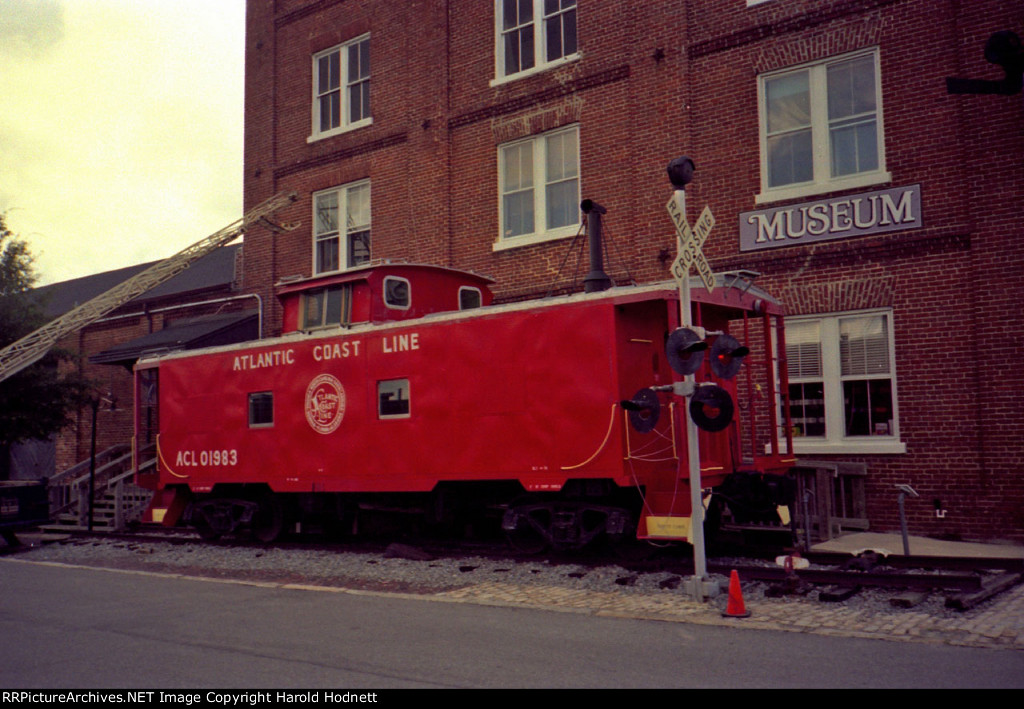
x=690, y=242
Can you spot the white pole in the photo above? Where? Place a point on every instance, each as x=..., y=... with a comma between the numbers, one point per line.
x=700, y=566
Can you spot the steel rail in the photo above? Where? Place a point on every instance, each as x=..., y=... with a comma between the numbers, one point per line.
x=836, y=577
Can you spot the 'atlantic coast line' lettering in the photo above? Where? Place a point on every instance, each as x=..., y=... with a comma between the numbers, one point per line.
x=259, y=360
x=336, y=350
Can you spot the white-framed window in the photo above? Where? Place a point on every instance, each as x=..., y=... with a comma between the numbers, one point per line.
x=341, y=227
x=539, y=188
x=533, y=35
x=842, y=383
x=341, y=88
x=821, y=127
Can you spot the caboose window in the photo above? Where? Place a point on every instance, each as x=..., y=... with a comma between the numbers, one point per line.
x=469, y=298
x=327, y=307
x=393, y=399
x=397, y=293
x=261, y=409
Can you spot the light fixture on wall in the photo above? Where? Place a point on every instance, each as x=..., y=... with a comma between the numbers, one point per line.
x=1002, y=48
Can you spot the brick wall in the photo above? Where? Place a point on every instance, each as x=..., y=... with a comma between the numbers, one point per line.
x=655, y=80
x=958, y=392
x=432, y=151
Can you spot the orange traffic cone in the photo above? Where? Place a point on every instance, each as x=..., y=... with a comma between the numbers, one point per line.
x=735, y=608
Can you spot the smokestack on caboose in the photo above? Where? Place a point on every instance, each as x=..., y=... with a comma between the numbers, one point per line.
x=597, y=280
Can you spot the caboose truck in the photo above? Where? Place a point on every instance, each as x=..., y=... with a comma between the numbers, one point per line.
x=422, y=395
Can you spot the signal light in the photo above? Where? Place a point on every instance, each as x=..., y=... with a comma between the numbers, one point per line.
x=711, y=408
x=685, y=350
x=644, y=410
x=680, y=172
x=727, y=356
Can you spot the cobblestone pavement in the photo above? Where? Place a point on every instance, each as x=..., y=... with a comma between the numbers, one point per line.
x=998, y=624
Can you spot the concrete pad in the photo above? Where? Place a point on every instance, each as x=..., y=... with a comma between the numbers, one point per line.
x=35, y=539
x=892, y=544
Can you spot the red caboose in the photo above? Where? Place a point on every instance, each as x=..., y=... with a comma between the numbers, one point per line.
x=400, y=386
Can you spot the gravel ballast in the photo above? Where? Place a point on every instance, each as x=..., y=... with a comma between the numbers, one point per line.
x=387, y=572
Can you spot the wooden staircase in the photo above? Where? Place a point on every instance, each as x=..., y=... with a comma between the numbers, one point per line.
x=116, y=503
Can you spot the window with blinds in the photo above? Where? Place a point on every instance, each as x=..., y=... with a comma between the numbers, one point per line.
x=806, y=388
x=803, y=348
x=841, y=377
x=864, y=345
x=865, y=366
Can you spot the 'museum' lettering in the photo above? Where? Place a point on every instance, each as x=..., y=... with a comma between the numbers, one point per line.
x=855, y=215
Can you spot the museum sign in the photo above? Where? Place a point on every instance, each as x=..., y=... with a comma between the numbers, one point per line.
x=875, y=212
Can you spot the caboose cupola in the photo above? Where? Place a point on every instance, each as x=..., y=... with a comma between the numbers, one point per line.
x=378, y=292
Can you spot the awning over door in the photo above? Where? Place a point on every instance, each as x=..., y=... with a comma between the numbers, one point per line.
x=185, y=334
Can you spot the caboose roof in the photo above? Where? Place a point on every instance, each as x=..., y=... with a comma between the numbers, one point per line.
x=729, y=292
x=378, y=268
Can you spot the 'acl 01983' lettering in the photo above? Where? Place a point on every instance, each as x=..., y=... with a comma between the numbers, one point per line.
x=207, y=458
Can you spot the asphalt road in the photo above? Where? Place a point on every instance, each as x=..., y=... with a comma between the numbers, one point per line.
x=88, y=628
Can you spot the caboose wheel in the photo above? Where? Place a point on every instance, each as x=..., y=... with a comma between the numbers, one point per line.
x=528, y=533
x=202, y=526
x=268, y=521
x=210, y=519
x=526, y=540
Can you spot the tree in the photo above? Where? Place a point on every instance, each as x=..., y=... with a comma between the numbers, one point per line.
x=38, y=401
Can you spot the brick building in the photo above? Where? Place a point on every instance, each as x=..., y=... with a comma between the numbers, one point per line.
x=199, y=307
x=882, y=210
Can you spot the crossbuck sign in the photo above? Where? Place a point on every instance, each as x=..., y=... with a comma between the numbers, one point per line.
x=690, y=242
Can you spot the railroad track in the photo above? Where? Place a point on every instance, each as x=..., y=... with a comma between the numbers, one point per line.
x=966, y=582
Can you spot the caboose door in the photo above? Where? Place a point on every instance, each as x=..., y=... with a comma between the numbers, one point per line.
x=147, y=425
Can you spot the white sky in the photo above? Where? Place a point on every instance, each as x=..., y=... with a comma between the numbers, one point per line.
x=120, y=128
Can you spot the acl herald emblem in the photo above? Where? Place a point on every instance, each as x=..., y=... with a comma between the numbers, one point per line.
x=325, y=403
